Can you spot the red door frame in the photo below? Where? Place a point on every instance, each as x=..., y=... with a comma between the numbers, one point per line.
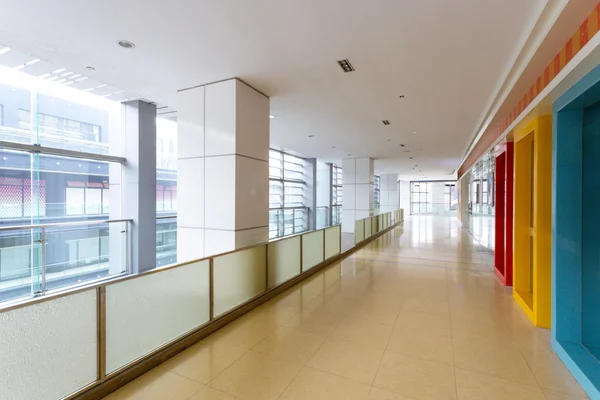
x=504, y=189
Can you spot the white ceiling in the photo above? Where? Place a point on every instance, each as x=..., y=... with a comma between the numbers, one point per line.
x=448, y=58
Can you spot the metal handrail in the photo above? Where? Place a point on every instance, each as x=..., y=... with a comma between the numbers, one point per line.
x=63, y=224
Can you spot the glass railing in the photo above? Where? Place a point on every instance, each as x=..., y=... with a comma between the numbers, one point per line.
x=166, y=240
x=287, y=221
x=367, y=227
x=323, y=217
x=39, y=259
x=112, y=326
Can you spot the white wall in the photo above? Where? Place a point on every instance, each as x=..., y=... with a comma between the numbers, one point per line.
x=405, y=196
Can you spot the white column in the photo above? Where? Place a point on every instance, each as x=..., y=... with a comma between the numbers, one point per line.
x=404, y=187
x=223, y=169
x=358, y=201
x=323, y=194
x=138, y=188
x=389, y=193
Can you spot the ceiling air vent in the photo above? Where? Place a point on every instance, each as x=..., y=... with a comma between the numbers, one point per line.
x=386, y=122
x=345, y=65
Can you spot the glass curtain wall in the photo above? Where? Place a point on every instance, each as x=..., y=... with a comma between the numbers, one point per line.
x=166, y=192
x=420, y=198
x=288, y=213
x=60, y=162
x=336, y=195
x=377, y=193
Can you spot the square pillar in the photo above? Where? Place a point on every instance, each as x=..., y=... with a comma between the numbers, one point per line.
x=223, y=169
x=389, y=193
x=358, y=181
x=138, y=185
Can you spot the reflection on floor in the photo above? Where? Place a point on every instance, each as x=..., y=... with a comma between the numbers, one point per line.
x=417, y=314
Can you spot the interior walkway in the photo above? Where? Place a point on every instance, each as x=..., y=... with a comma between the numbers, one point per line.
x=417, y=314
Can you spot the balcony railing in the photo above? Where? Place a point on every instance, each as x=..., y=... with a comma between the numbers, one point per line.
x=40, y=259
x=93, y=333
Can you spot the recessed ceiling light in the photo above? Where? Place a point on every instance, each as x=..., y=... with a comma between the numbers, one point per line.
x=126, y=44
x=349, y=155
x=389, y=140
x=90, y=68
x=345, y=65
x=414, y=133
x=411, y=158
x=271, y=116
x=5, y=50
x=31, y=62
x=58, y=71
x=401, y=96
x=333, y=147
x=311, y=135
x=386, y=122
x=401, y=145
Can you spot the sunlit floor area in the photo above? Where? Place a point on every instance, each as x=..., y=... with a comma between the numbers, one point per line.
x=417, y=314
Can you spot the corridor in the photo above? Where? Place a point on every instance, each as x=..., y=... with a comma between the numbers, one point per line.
x=417, y=314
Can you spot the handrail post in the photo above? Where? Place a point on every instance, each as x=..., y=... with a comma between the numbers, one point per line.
x=43, y=260
x=101, y=320
x=211, y=287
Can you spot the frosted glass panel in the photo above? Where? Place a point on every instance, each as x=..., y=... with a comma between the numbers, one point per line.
x=284, y=260
x=312, y=249
x=368, y=231
x=332, y=241
x=49, y=350
x=239, y=277
x=359, y=231
x=373, y=225
x=380, y=223
x=144, y=313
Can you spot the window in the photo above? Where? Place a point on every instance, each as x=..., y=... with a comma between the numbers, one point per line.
x=420, y=198
x=336, y=191
x=377, y=192
x=37, y=117
x=288, y=213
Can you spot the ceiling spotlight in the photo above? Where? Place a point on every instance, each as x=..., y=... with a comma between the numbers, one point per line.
x=401, y=96
x=389, y=140
x=345, y=65
x=386, y=122
x=90, y=68
x=401, y=145
x=414, y=133
x=349, y=155
x=311, y=135
x=126, y=44
x=411, y=158
x=271, y=116
x=333, y=147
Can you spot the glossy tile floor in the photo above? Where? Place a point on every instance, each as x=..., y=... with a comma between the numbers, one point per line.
x=417, y=314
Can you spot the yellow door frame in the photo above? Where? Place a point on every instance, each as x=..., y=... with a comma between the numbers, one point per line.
x=537, y=305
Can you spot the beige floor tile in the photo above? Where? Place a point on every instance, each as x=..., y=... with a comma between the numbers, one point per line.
x=312, y=384
x=257, y=377
x=334, y=304
x=314, y=321
x=244, y=332
x=421, y=345
x=290, y=344
x=374, y=336
x=552, y=374
x=554, y=395
x=426, y=305
x=413, y=377
x=475, y=386
x=369, y=314
x=347, y=359
x=432, y=324
x=208, y=393
x=157, y=384
x=381, y=394
x=497, y=359
x=204, y=361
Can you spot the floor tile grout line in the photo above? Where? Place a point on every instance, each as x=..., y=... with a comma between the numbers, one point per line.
x=452, y=339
